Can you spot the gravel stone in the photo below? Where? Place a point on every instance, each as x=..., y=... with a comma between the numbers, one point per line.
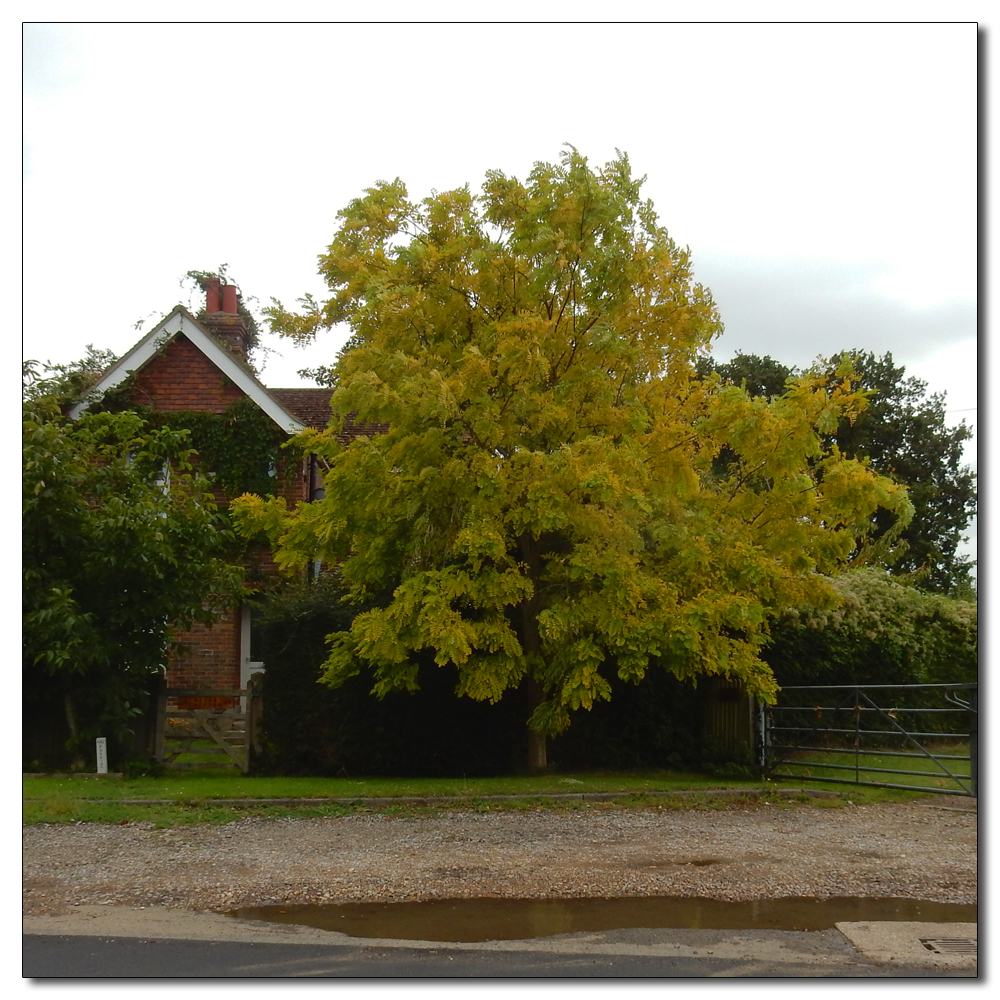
x=742, y=852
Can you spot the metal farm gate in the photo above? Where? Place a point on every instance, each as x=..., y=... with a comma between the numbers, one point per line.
x=918, y=737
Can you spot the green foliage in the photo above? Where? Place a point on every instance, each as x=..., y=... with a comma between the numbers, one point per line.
x=882, y=631
x=903, y=435
x=759, y=376
x=143, y=767
x=313, y=729
x=114, y=551
x=327, y=374
x=544, y=508
x=238, y=447
x=310, y=728
x=63, y=384
x=659, y=723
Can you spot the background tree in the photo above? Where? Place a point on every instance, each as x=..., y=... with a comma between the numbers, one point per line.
x=120, y=541
x=61, y=385
x=543, y=507
x=759, y=376
x=903, y=433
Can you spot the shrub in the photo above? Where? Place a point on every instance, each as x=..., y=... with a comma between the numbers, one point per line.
x=310, y=728
x=884, y=631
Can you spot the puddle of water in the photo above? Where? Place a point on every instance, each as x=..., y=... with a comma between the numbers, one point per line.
x=517, y=919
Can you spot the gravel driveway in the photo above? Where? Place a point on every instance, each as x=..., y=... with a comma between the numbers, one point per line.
x=920, y=850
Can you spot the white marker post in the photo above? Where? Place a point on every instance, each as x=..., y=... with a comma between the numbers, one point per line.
x=102, y=755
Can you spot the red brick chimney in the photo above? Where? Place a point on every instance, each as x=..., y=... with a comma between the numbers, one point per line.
x=222, y=317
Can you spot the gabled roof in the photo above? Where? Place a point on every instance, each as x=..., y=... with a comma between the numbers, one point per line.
x=311, y=406
x=180, y=321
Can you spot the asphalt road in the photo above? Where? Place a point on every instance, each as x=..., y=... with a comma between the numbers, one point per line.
x=82, y=957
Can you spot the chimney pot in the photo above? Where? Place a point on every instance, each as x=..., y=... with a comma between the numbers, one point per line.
x=222, y=318
x=212, y=295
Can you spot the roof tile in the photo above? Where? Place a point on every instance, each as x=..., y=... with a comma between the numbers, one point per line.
x=312, y=407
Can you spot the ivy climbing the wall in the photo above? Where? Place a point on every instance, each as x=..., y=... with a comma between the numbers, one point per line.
x=240, y=446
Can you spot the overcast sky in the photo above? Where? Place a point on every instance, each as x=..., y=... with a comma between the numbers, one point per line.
x=823, y=175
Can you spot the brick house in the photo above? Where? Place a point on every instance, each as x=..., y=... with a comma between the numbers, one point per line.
x=199, y=365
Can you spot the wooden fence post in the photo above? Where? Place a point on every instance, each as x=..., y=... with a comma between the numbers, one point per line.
x=160, y=719
x=762, y=737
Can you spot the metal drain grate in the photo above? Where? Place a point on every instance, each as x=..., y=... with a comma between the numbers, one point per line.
x=951, y=946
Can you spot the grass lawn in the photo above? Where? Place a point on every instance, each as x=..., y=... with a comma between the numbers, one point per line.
x=223, y=784
x=821, y=764
x=108, y=799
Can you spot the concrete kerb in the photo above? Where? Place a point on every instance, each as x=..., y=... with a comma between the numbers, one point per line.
x=876, y=943
x=902, y=943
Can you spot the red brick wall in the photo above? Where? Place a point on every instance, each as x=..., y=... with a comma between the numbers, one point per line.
x=210, y=658
x=182, y=378
x=213, y=655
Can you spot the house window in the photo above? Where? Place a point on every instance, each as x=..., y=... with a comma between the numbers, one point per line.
x=161, y=477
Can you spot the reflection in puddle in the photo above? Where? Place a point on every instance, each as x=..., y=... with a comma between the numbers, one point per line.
x=515, y=919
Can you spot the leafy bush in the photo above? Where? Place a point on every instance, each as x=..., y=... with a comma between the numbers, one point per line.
x=659, y=723
x=884, y=631
x=313, y=729
x=119, y=539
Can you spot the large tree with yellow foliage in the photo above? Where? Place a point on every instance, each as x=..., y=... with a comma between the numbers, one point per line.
x=543, y=507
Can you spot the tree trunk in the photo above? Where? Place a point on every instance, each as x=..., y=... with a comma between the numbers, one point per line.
x=77, y=763
x=537, y=758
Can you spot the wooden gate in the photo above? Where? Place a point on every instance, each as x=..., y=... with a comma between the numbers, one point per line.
x=729, y=719
x=218, y=737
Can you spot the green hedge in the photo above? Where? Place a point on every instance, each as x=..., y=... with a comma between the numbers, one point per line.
x=884, y=631
x=312, y=729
